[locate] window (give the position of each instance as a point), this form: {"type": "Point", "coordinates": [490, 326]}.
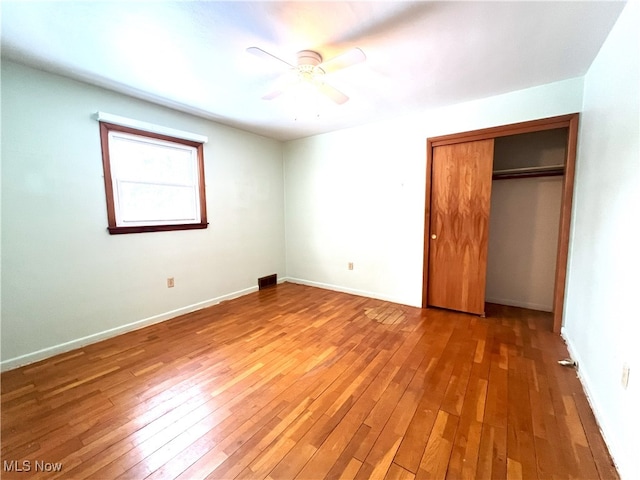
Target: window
{"type": "Point", "coordinates": [153, 181]}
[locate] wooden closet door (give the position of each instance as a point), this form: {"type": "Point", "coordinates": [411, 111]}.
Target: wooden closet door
{"type": "Point", "coordinates": [459, 229]}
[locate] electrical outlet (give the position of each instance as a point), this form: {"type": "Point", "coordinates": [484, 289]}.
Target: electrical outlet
{"type": "Point", "coordinates": [170, 282]}
{"type": "Point", "coordinates": [350, 265]}
{"type": "Point", "coordinates": [625, 376]}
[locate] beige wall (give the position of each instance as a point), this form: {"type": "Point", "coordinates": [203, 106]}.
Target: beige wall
{"type": "Point", "coordinates": [65, 280]}
{"type": "Point", "coordinates": [523, 239]}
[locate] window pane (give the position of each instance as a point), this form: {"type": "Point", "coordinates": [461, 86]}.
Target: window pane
{"type": "Point", "coordinates": [151, 161]}
{"type": "Point", "coordinates": [142, 203]}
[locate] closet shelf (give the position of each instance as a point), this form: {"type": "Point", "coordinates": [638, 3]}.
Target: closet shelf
{"type": "Point", "coordinates": [544, 171]}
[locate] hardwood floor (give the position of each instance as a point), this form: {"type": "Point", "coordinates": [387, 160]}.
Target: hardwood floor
{"type": "Point", "coordinates": [298, 382]}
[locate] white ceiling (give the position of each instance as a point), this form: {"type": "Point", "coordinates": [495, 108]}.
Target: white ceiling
{"type": "Point", "coordinates": [191, 55]}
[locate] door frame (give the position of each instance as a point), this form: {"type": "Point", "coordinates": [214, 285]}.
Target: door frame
{"type": "Point", "coordinates": [570, 122]}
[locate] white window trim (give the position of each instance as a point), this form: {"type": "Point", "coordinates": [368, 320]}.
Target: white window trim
{"type": "Point", "coordinates": [149, 127]}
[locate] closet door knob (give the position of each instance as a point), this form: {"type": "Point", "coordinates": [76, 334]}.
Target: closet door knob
{"type": "Point", "coordinates": [434, 236]}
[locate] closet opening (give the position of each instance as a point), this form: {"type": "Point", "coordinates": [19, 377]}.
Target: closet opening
{"type": "Point", "coordinates": [526, 198]}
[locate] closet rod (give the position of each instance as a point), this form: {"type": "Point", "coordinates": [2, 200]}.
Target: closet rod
{"type": "Point", "coordinates": [544, 171]}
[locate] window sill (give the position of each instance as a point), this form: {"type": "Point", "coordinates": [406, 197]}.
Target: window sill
{"type": "Point", "coordinates": [156, 228]}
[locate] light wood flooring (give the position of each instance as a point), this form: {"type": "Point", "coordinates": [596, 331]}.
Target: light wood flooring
{"type": "Point", "coordinates": [299, 382]}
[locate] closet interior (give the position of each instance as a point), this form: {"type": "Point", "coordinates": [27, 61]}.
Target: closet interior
{"type": "Point", "coordinates": [526, 200]}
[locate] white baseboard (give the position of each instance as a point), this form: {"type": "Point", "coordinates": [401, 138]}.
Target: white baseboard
{"type": "Point", "coordinates": [352, 291]}
{"type": "Point", "coordinates": [22, 360]}
{"type": "Point", "coordinates": [518, 303]}
{"type": "Point", "coordinates": [583, 376]}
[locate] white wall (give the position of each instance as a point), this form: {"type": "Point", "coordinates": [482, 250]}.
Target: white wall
{"type": "Point", "coordinates": [523, 241]}
{"type": "Point", "coordinates": [65, 280]}
{"type": "Point", "coordinates": [358, 195]}
{"type": "Point", "coordinates": [601, 321]}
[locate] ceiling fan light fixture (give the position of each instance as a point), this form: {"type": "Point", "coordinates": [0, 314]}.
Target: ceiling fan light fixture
{"type": "Point", "coordinates": [309, 73]}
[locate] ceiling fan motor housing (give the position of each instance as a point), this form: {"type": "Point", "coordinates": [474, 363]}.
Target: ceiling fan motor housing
{"type": "Point", "coordinates": [309, 57]}
{"type": "Point", "coordinates": [308, 62]}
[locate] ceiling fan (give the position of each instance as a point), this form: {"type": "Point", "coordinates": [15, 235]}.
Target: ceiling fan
{"type": "Point", "coordinates": [311, 69]}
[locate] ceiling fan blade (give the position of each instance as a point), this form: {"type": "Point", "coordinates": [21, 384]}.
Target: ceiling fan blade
{"type": "Point", "coordinates": [332, 92]}
{"type": "Point", "coordinates": [273, 94]}
{"type": "Point", "coordinates": [344, 60]}
{"type": "Point", "coordinates": [282, 84]}
{"type": "Point", "coordinates": [258, 52]}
